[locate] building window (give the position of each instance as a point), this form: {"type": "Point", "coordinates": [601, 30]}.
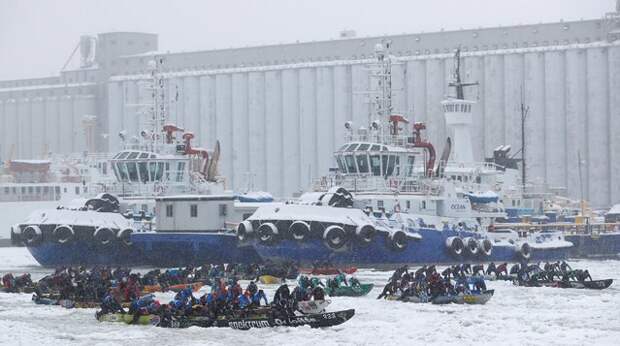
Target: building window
{"type": "Point", "coordinates": [223, 210]}
{"type": "Point", "coordinates": [169, 210]}
{"type": "Point", "coordinates": [193, 210]}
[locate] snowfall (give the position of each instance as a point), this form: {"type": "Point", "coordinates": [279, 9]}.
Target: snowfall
{"type": "Point", "coordinates": [515, 316]}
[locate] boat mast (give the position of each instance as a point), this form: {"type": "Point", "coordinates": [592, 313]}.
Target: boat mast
{"type": "Point", "coordinates": [383, 102]}
{"type": "Point", "coordinates": [524, 112]}
{"type": "Point", "coordinates": [457, 83]}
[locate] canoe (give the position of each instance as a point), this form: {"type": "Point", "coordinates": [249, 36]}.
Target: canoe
{"type": "Point", "coordinates": [328, 271]}
{"type": "Point", "coordinates": [175, 288]}
{"type": "Point", "coordinates": [327, 319]}
{"type": "Point", "coordinates": [474, 298]}
{"type": "Point", "coordinates": [592, 285]}
{"type": "Point", "coordinates": [322, 320]}
{"type": "Point", "coordinates": [349, 291]}
{"type": "Point", "coordinates": [127, 318]}
{"type": "Point", "coordinates": [269, 280]}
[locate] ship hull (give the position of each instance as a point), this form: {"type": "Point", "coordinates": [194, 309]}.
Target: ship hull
{"type": "Point", "coordinates": [173, 249]}
{"type": "Point", "coordinates": [431, 249]}
{"type": "Point", "coordinates": [595, 245]}
{"type": "Point", "coordinates": [87, 253]}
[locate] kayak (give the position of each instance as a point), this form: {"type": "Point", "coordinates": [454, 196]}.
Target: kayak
{"type": "Point", "coordinates": [350, 291]}
{"type": "Point", "coordinates": [328, 271]}
{"type": "Point", "coordinates": [153, 320]}
{"type": "Point", "coordinates": [313, 306]}
{"type": "Point", "coordinates": [593, 285]}
{"type": "Point", "coordinates": [474, 298]}
{"type": "Point", "coordinates": [175, 288]}
{"type": "Point", "coordinates": [269, 280]}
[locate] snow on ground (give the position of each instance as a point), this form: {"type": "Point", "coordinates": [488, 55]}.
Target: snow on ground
{"type": "Point", "coordinates": [515, 316]}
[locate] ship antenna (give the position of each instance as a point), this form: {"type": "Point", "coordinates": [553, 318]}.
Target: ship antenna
{"type": "Point", "coordinates": [457, 82]}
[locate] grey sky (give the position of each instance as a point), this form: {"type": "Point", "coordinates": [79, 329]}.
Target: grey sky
{"type": "Point", "coordinates": [37, 36]}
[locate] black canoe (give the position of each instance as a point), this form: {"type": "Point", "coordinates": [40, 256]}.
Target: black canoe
{"type": "Point", "coordinates": [592, 285]}
{"type": "Point", "coordinates": [327, 319]}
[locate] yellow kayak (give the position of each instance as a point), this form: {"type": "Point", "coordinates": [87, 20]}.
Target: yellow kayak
{"type": "Point", "coordinates": [269, 280]}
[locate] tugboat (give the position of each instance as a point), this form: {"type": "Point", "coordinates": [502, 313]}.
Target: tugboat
{"type": "Point", "coordinates": [388, 203]}
{"type": "Point", "coordinates": [151, 165]}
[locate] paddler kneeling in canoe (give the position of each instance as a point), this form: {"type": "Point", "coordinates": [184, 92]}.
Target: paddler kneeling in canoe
{"type": "Point", "coordinates": [110, 303]}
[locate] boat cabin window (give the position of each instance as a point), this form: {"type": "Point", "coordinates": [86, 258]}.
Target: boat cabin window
{"type": "Point", "coordinates": [144, 173]}
{"type": "Point", "coordinates": [132, 156]}
{"type": "Point", "coordinates": [388, 164]}
{"type": "Point", "coordinates": [341, 165]}
{"type": "Point", "coordinates": [132, 169]}
{"type": "Point", "coordinates": [181, 168]}
{"type": "Point", "coordinates": [410, 163]}
{"type": "Point", "coordinates": [375, 165]}
{"type": "Point", "coordinates": [352, 147]}
{"type": "Point", "coordinates": [350, 164]}
{"type": "Point", "coordinates": [123, 155]}
{"type": "Point", "coordinates": [375, 147]}
{"type": "Point", "coordinates": [362, 163]}
{"type": "Point", "coordinates": [193, 210]}
{"type": "Point", "coordinates": [144, 156]}
{"type": "Point", "coordinates": [363, 147]}
{"type": "Point", "coordinates": [342, 148]}
{"type": "Point", "coordinates": [169, 210]}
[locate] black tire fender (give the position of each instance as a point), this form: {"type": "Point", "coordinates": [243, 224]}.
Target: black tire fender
{"type": "Point", "coordinates": [365, 233]}
{"type": "Point", "coordinates": [32, 235]}
{"type": "Point", "coordinates": [104, 236]}
{"type": "Point", "coordinates": [63, 234]}
{"type": "Point", "coordinates": [267, 233]}
{"type": "Point", "coordinates": [335, 237]}
{"type": "Point", "coordinates": [244, 230]}
{"type": "Point", "coordinates": [299, 230]}
{"type": "Point", "coordinates": [455, 245]}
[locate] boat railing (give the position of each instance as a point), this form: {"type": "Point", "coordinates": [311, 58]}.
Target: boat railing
{"type": "Point", "coordinates": [566, 228]}
{"type": "Point", "coordinates": [371, 183]}
{"type": "Point", "coordinates": [126, 189]}
{"type": "Point", "coordinates": [404, 140]}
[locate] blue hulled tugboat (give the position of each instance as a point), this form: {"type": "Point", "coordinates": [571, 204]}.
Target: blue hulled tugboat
{"type": "Point", "coordinates": [152, 165]}
{"type": "Point", "coordinates": [389, 203]}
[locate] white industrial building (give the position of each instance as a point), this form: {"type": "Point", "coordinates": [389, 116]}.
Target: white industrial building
{"type": "Point", "coordinates": [279, 110]}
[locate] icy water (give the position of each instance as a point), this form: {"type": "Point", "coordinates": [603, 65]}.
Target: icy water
{"type": "Point", "coordinates": [515, 316]}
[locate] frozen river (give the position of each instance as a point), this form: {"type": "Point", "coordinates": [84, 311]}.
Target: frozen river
{"type": "Point", "coordinates": [515, 316]}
